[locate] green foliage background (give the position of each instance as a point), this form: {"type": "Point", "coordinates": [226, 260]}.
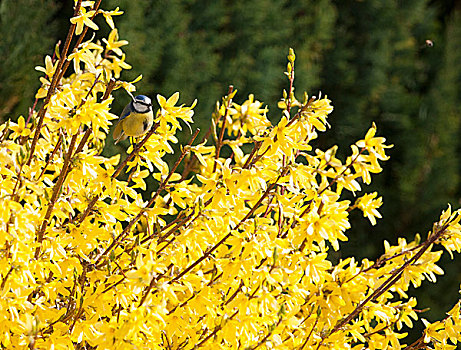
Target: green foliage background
{"type": "Point", "coordinates": [371, 57]}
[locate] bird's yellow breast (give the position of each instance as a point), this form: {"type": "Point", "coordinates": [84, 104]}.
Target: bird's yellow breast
{"type": "Point", "coordinates": [137, 124]}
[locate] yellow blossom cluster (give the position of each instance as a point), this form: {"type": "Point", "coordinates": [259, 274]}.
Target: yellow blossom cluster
{"type": "Point", "coordinates": [230, 253]}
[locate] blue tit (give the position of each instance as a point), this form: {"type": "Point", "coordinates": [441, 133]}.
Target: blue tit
{"type": "Point", "coordinates": [136, 119]}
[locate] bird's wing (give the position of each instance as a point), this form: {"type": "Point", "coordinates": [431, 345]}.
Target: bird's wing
{"type": "Point", "coordinates": [118, 133]}
{"type": "Point", "coordinates": [125, 112]}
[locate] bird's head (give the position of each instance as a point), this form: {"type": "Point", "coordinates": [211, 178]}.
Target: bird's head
{"type": "Point", "coordinates": [142, 104]}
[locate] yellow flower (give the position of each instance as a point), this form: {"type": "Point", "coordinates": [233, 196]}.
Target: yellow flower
{"type": "Point", "coordinates": [49, 70]}
{"type": "Point", "coordinates": [369, 204]}
{"type": "Point", "coordinates": [20, 128]}
{"type": "Point", "coordinates": [82, 19]}
{"type": "Point", "coordinates": [108, 16]}
{"type": "Point", "coordinates": [113, 44]}
{"type": "Point", "coordinates": [248, 117]}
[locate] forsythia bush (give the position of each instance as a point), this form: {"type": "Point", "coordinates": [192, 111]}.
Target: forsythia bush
{"type": "Point", "coordinates": [232, 253]}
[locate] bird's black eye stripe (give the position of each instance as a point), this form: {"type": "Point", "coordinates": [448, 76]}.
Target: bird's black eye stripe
{"type": "Point", "coordinates": [144, 103]}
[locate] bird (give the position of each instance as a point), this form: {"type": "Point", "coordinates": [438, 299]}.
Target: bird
{"type": "Point", "coordinates": [136, 119]}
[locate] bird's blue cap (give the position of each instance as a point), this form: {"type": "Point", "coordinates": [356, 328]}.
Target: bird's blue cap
{"type": "Point", "coordinates": [142, 98]}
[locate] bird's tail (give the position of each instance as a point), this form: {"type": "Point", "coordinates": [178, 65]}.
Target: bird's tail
{"type": "Point", "coordinates": [119, 135]}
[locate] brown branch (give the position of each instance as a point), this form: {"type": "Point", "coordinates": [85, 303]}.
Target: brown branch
{"type": "Point", "coordinates": [117, 171]}
{"type": "Point", "coordinates": [178, 225]}
{"type": "Point", "coordinates": [151, 285]}
{"type": "Point", "coordinates": [50, 159]}
{"type": "Point", "coordinates": [77, 316]}
{"type": "Point", "coordinates": [114, 285]}
{"type": "Point", "coordinates": [162, 185]}
{"type": "Point", "coordinates": [82, 289]}
{"type": "Point", "coordinates": [280, 219]}
{"type": "Point", "coordinates": [31, 111]}
{"type": "Point", "coordinates": [54, 196]}
{"type": "Point", "coordinates": [135, 150]}
{"type": "Point", "coordinates": [88, 209]}
{"type": "Point", "coordinates": [83, 141]}
{"type": "Point", "coordinates": [163, 238]}
{"type": "Point", "coordinates": [301, 111]}
{"type": "Point", "coordinates": [310, 333]}
{"type": "Point", "coordinates": [195, 294]}
{"type": "Point", "coordinates": [256, 148]}
{"type": "Point", "coordinates": [191, 161]}
{"type": "Point", "coordinates": [211, 250]}
{"type": "Point", "coordinates": [305, 318]}
{"type": "Point", "coordinates": [80, 38]}
{"type": "Point", "coordinates": [180, 220]}
{"type": "Point", "coordinates": [256, 159]}
{"type": "Point", "coordinates": [109, 88]}
{"type": "Point", "coordinates": [268, 206]}
{"type": "Point", "coordinates": [5, 278]}
{"type": "Point", "coordinates": [395, 276]}
{"type": "Point", "coordinates": [215, 331]}
{"type": "Point", "coordinates": [381, 260]}
{"type": "Point", "coordinates": [64, 172]}
{"type": "Point", "coordinates": [418, 344]}
{"type": "Point", "coordinates": [263, 340]}
{"type": "Point", "coordinates": [53, 84]}
{"type": "Point", "coordinates": [166, 340]}
{"type": "Point", "coordinates": [5, 131]}
{"type": "Point", "coordinates": [16, 185]}
{"type": "Point", "coordinates": [232, 297]}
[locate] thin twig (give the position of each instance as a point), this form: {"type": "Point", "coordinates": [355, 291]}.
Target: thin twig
{"type": "Point", "coordinates": [232, 297]}
{"type": "Point", "coordinates": [194, 294]}
{"type": "Point", "coordinates": [31, 111]}
{"type": "Point", "coordinates": [53, 84]}
{"type": "Point", "coordinates": [50, 159]}
{"type": "Point", "coordinates": [82, 289]}
{"type": "Point", "coordinates": [310, 333]}
{"type": "Point", "coordinates": [151, 285]}
{"type": "Point", "coordinates": [381, 260]}
{"type": "Point", "coordinates": [417, 344]}
{"type": "Point", "coordinates": [136, 149]}
{"type": "Point", "coordinates": [117, 171]}
{"type": "Point", "coordinates": [223, 127]}
{"type": "Point", "coordinates": [5, 278]}
{"type": "Point", "coordinates": [215, 331]}
{"type": "Point", "coordinates": [80, 38]}
{"type": "Point", "coordinates": [256, 148]}
{"type": "Point", "coordinates": [211, 250]}
{"type": "Point", "coordinates": [54, 196]}
{"type": "Point", "coordinates": [164, 237]}
{"type": "Point", "coordinates": [263, 340]}
{"type": "Point", "coordinates": [162, 185]}
{"type": "Point", "coordinates": [62, 176]}
{"type": "Point", "coordinates": [395, 276]}
{"type": "Point", "coordinates": [109, 88]}
{"type": "Point", "coordinates": [290, 91]}
{"type": "Point", "coordinates": [333, 181]}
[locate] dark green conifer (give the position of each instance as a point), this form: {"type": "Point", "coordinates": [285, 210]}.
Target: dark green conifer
{"type": "Point", "coordinates": [26, 35]}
